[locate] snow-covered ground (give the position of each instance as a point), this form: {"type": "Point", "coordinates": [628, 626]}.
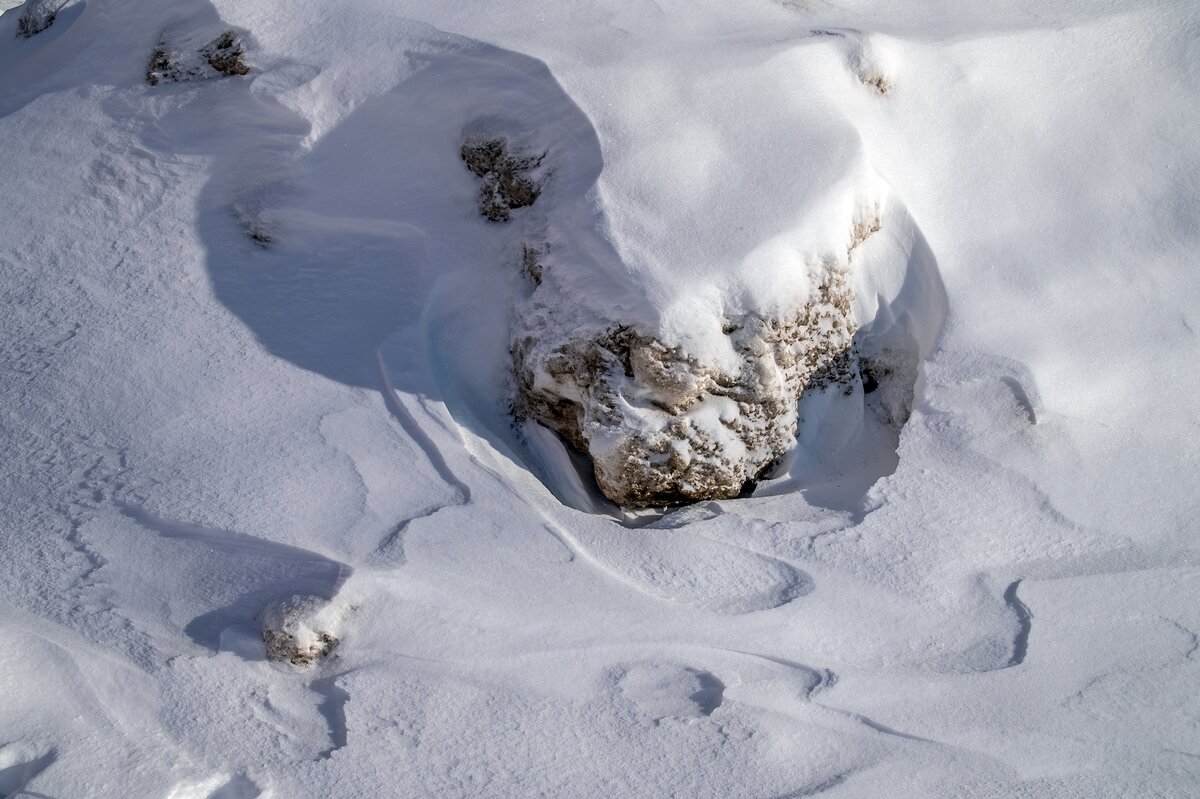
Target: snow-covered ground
{"type": "Point", "coordinates": [255, 344]}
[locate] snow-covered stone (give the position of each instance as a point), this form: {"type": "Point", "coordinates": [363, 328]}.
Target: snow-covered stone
{"type": "Point", "coordinates": [293, 631]}
{"type": "Point", "coordinates": [184, 55]}
{"type": "Point", "coordinates": [664, 426]}
{"type": "Point", "coordinates": [38, 15]}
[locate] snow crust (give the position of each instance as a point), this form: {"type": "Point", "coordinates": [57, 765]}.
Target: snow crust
{"type": "Point", "coordinates": [256, 346]}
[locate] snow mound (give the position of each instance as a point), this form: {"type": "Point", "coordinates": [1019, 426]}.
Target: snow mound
{"type": "Point", "coordinates": [665, 690]}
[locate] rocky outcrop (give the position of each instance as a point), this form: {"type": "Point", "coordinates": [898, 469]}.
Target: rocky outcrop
{"type": "Point", "coordinates": [663, 426]}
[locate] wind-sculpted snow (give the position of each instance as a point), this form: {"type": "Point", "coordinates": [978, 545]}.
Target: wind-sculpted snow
{"type": "Point", "coordinates": [685, 385]}
{"type": "Point", "coordinates": [19, 764]}
{"type": "Point", "coordinates": [259, 331]}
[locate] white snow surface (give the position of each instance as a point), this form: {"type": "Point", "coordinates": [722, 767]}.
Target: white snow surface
{"type": "Point", "coordinates": [1001, 601]}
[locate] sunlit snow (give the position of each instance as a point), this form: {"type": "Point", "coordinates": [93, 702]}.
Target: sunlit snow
{"type": "Point", "coordinates": [256, 370]}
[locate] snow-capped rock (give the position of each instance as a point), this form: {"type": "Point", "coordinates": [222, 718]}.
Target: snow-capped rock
{"type": "Point", "coordinates": [663, 426]}
{"type": "Point", "coordinates": [37, 15]}
{"type": "Point", "coordinates": [183, 55]}
{"type": "Point", "coordinates": [293, 630]}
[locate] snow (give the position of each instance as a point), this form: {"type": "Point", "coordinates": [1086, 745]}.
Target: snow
{"type": "Point", "coordinates": [1002, 598]}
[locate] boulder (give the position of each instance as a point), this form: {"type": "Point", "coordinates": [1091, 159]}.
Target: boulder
{"type": "Point", "coordinates": [664, 426]}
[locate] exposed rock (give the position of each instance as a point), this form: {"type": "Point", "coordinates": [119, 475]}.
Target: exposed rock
{"type": "Point", "coordinates": [259, 228]}
{"type": "Point", "coordinates": [531, 264]}
{"type": "Point", "coordinates": [226, 54]}
{"type": "Point", "coordinates": [37, 16]}
{"type": "Point", "coordinates": [161, 67]}
{"type": "Point", "coordinates": [661, 426]}
{"type": "Point", "coordinates": [178, 58]}
{"type": "Point", "coordinates": [291, 631]}
{"type": "Point", "coordinates": [877, 81]}
{"type": "Point", "coordinates": [507, 179]}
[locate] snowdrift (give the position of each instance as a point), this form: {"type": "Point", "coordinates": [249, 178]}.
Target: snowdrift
{"type": "Point", "coordinates": [891, 306]}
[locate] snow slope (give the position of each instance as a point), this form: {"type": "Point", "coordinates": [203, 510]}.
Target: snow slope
{"type": "Point", "coordinates": [999, 600]}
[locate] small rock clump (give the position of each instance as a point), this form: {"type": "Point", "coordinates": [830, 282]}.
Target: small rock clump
{"type": "Point", "coordinates": [161, 66]}
{"type": "Point", "coordinates": [224, 55]}
{"type": "Point", "coordinates": [876, 80]}
{"type": "Point", "coordinates": [37, 16]}
{"type": "Point", "coordinates": [292, 633]}
{"type": "Point", "coordinates": [508, 180]}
